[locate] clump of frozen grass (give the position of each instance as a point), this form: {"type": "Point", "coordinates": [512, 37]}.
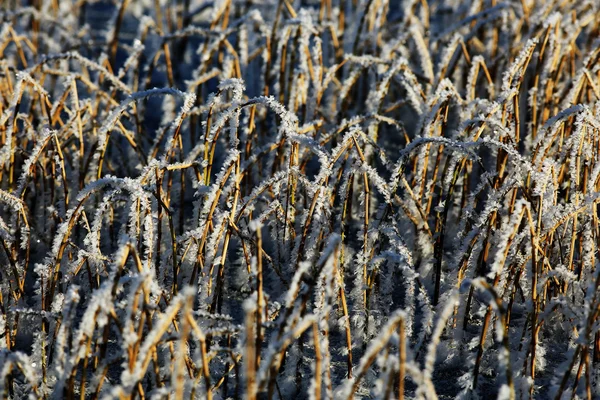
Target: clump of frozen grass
{"type": "Point", "coordinates": [299, 199]}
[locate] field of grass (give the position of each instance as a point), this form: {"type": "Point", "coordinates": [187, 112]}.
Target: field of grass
{"type": "Point", "coordinates": [281, 199]}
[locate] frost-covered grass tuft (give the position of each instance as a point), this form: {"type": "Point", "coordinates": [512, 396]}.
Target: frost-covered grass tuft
{"type": "Point", "coordinates": [284, 199]}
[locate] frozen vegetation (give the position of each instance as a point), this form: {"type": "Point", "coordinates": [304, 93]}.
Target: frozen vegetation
{"type": "Point", "coordinates": [279, 199]}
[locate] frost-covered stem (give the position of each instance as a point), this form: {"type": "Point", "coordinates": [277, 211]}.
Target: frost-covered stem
{"type": "Point", "coordinates": [574, 235]}
{"type": "Point", "coordinates": [75, 96]}
{"type": "Point", "coordinates": [63, 171]}
{"type": "Point", "coordinates": [345, 314]}
{"type": "Point", "coordinates": [588, 373]}
{"type": "Point", "coordinates": [216, 306]}
{"type": "Point", "coordinates": [259, 294]}
{"type": "Point", "coordinates": [534, 300]}
{"type": "Point", "coordinates": [203, 353]}
{"type": "Point", "coordinates": [436, 167]}
{"type": "Point", "coordinates": [440, 229]}
{"type": "Point", "coordinates": [167, 52]}
{"type": "Point", "coordinates": [250, 354]}
{"type": "Point", "coordinates": [402, 359]}
{"type": "Point", "coordinates": [318, 361]}
{"type": "Point", "coordinates": [181, 353]}
{"type": "Point", "coordinates": [307, 225]}
{"type": "Point", "coordinates": [480, 346]}
{"type": "Point", "coordinates": [291, 190]}
{"type": "Point", "coordinates": [159, 210]}
{"type": "Point", "coordinates": [84, 369]}
{"type": "Point", "coordinates": [115, 39]}
{"type": "Point", "coordinates": [367, 195]}
{"type": "Point", "coordinates": [209, 117]}
{"type": "Point", "coordinates": [174, 263]}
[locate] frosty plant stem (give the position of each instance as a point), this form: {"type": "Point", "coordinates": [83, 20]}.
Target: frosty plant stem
{"type": "Point", "coordinates": [290, 199]}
